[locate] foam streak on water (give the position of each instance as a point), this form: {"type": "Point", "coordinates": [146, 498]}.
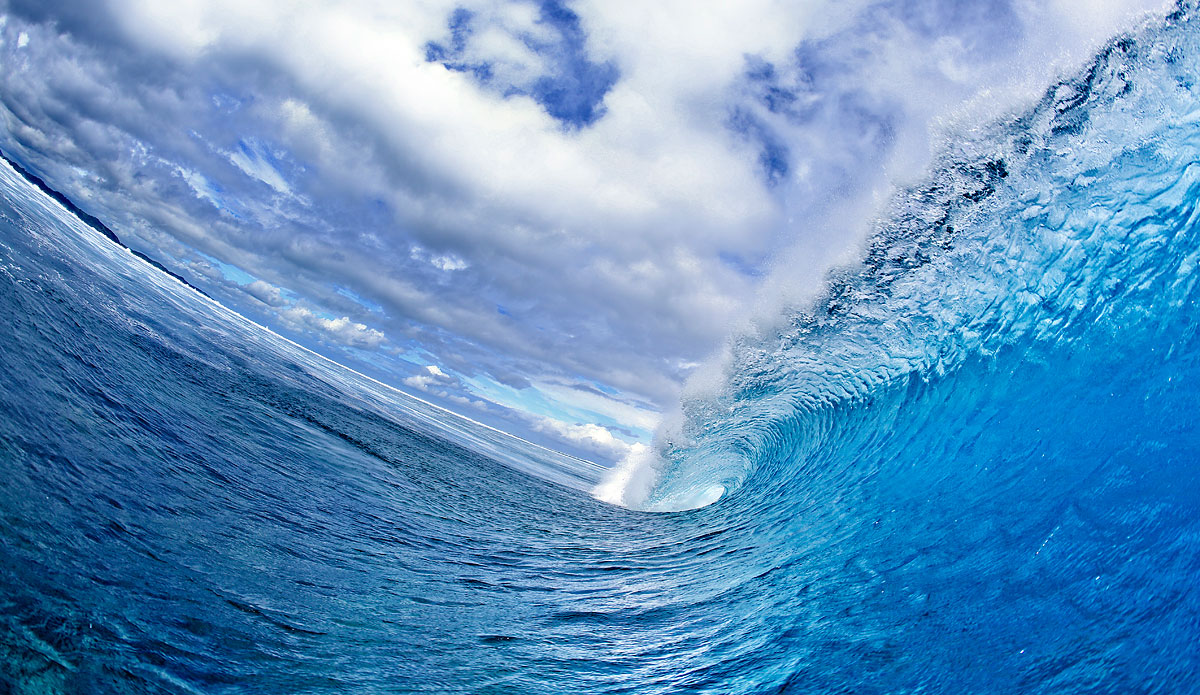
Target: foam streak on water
{"type": "Point", "coordinates": [970, 467]}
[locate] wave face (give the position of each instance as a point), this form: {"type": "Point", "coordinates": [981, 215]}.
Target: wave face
{"type": "Point", "coordinates": [972, 466]}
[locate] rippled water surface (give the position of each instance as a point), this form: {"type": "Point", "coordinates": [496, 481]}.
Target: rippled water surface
{"type": "Point", "coordinates": [972, 466]}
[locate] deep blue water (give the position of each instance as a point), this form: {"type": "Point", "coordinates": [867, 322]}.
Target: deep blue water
{"type": "Point", "coordinates": [973, 465]}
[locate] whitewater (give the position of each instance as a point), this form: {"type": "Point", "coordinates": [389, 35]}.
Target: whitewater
{"type": "Point", "coordinates": [970, 465]}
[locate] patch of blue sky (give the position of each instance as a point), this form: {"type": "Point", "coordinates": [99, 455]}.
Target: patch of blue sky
{"type": "Point", "coordinates": [811, 89]}
{"type": "Point", "coordinates": [357, 299]}
{"type": "Point", "coordinates": [773, 154]}
{"type": "Point", "coordinates": [232, 273]}
{"type": "Point", "coordinates": [532, 400]}
{"type": "Point", "coordinates": [604, 388]}
{"type": "Point", "coordinates": [452, 53]}
{"type": "Point", "coordinates": [744, 266]}
{"type": "Point", "coordinates": [571, 87]}
{"type": "Point", "coordinates": [613, 410]}
{"type": "Point", "coordinates": [323, 313]}
{"type": "Point", "coordinates": [575, 93]}
{"type": "Point", "coordinates": [789, 95]}
{"type": "Point", "coordinates": [409, 357]}
{"type": "Point", "coordinates": [528, 399]}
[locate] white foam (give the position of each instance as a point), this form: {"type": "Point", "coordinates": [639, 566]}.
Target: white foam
{"type": "Point", "coordinates": [630, 482]}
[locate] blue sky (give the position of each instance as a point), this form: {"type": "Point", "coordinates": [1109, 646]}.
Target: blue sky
{"type": "Point", "coordinates": [542, 215]}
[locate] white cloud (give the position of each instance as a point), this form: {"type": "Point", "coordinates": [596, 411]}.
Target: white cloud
{"type": "Point", "coordinates": [254, 158]}
{"type": "Point", "coordinates": [339, 330]}
{"type": "Point", "coordinates": [447, 263]}
{"type": "Point", "coordinates": [202, 187]}
{"type": "Point", "coordinates": [432, 379]}
{"type": "Point", "coordinates": [588, 436]}
{"type": "Point", "coordinates": [631, 414]}
{"type": "Point", "coordinates": [266, 293]}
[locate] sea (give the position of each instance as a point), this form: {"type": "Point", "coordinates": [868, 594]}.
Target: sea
{"type": "Point", "coordinates": [970, 465]}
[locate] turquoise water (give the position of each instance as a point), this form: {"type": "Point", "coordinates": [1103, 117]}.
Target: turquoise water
{"type": "Point", "coordinates": [971, 466]}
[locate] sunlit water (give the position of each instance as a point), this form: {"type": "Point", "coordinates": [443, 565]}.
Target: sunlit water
{"type": "Point", "coordinates": [972, 466]}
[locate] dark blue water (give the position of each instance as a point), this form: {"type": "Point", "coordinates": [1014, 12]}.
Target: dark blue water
{"type": "Point", "coordinates": [973, 465]}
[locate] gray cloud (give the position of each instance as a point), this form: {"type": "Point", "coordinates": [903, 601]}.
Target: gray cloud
{"type": "Point", "coordinates": [266, 293]}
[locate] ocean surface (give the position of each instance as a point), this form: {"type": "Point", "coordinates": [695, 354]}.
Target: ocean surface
{"type": "Point", "coordinates": [971, 466]}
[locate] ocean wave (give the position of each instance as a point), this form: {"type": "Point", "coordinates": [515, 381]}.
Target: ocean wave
{"type": "Point", "coordinates": [1034, 231]}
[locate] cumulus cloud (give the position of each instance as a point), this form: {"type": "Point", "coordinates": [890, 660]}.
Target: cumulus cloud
{"type": "Point", "coordinates": [536, 192]}
{"type": "Point", "coordinates": [433, 379]}
{"type": "Point", "coordinates": [339, 330]}
{"type": "Point", "coordinates": [446, 262]}
{"type": "Point", "coordinates": [266, 293]}
{"type": "Point", "coordinates": [595, 439]}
